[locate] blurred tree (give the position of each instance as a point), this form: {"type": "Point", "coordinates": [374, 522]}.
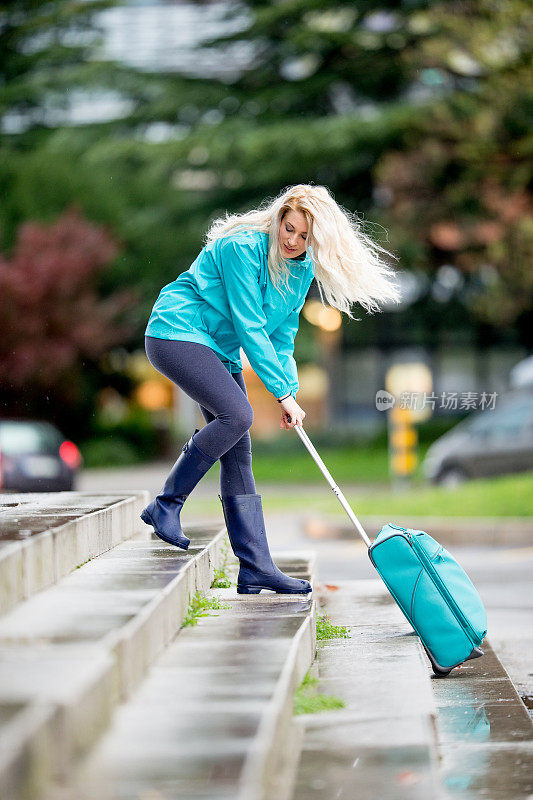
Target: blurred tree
{"type": "Point", "coordinates": [351, 95]}
{"type": "Point", "coordinates": [419, 114]}
{"type": "Point", "coordinates": [464, 186]}
{"type": "Point", "coordinates": [46, 49]}
{"type": "Point", "coordinates": [54, 323]}
{"type": "Point", "coordinates": [315, 101]}
{"type": "Point", "coordinates": [308, 58]}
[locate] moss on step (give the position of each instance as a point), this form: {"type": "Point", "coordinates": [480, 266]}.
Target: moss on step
{"type": "Point", "coordinates": [308, 700]}
{"type": "Point", "coordinates": [326, 630]}
{"type": "Point", "coordinates": [200, 606]}
{"type": "Point", "coordinates": [221, 579]}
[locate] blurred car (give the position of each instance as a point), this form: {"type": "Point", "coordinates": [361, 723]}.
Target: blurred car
{"type": "Point", "coordinates": [494, 441]}
{"type": "Point", "coordinates": [36, 457]}
{"type": "Point", "coordinates": [522, 373]}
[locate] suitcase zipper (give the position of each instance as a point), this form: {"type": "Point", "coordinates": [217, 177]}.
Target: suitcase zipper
{"type": "Point", "coordinates": [437, 580]}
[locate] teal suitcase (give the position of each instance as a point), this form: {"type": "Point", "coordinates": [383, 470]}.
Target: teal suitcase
{"type": "Point", "coordinates": [433, 591]}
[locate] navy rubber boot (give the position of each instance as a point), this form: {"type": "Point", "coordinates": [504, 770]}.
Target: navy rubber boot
{"type": "Point", "coordinates": [163, 513]}
{"type": "Point", "coordinates": [245, 524]}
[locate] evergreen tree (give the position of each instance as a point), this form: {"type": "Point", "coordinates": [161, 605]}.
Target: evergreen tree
{"type": "Point", "coordinates": [463, 189]}
{"type": "Point", "coordinates": [46, 49]}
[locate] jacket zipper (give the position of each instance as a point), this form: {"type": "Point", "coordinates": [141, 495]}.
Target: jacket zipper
{"type": "Point", "coordinates": [437, 580]}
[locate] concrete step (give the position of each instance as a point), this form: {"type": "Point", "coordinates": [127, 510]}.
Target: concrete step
{"type": "Point", "coordinates": [213, 719]}
{"type": "Point", "coordinates": [484, 733]}
{"type": "Point", "coordinates": [381, 745]}
{"type": "Point", "coordinates": [44, 536]}
{"type": "Point", "coordinates": [70, 653]}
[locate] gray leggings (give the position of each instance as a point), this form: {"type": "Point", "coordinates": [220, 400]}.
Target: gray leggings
{"type": "Point", "coordinates": [223, 401]}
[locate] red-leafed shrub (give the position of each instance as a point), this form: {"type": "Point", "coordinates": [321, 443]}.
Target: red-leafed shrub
{"type": "Point", "coordinates": [52, 317]}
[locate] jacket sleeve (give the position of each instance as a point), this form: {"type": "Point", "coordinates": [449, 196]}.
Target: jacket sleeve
{"type": "Point", "coordinates": [283, 340]}
{"type": "Point", "coordinates": [240, 268]}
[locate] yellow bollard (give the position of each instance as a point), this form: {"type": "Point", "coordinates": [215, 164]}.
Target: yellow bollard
{"type": "Point", "coordinates": [403, 444]}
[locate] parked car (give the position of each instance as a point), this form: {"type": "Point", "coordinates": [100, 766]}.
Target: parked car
{"type": "Point", "coordinates": [36, 457]}
{"type": "Point", "coordinates": [490, 442]}
{"type": "Point", "coordinates": [522, 373]}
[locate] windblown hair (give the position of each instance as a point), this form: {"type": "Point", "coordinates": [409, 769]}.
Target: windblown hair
{"type": "Point", "coordinates": [347, 264]}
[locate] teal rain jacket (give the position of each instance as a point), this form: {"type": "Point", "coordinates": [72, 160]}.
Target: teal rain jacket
{"type": "Point", "coordinates": [226, 300]}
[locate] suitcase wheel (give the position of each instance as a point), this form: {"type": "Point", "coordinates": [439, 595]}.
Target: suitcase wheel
{"type": "Point", "coordinates": [440, 673]}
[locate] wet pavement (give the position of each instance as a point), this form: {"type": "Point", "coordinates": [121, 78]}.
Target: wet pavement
{"type": "Point", "coordinates": [403, 732]}
{"type": "Point", "coordinates": [502, 575]}
{"type": "Point", "coordinates": [484, 733]}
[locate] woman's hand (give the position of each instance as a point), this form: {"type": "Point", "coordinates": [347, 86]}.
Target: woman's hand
{"type": "Point", "coordinates": [290, 410]}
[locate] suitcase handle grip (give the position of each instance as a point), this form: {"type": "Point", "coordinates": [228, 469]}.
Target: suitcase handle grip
{"type": "Point", "coordinates": [325, 472]}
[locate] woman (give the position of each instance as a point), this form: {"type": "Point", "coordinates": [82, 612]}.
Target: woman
{"type": "Point", "coordinates": [246, 289]}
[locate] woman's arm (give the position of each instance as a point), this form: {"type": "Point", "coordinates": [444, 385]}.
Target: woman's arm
{"type": "Point", "coordinates": [283, 338]}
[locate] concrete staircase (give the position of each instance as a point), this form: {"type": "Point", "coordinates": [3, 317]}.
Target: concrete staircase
{"type": "Point", "coordinates": [115, 596]}
{"type": "Point", "coordinates": [381, 745]}
{"type": "Point", "coordinates": [45, 536]}
{"type": "Point", "coordinates": [214, 717]}
{"type": "Point", "coordinates": [103, 693]}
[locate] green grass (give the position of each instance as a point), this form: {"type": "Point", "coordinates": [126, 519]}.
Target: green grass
{"type": "Point", "coordinates": [200, 606]}
{"type": "Point", "coordinates": [509, 495]}
{"type": "Point", "coordinates": [326, 630]}
{"type": "Point", "coordinates": [368, 464]}
{"type": "Point", "coordinates": [221, 579]}
{"type": "Point", "coordinates": [308, 700]}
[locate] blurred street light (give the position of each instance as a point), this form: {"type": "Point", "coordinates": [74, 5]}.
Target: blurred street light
{"type": "Point", "coordinates": [324, 317]}
{"type": "Point", "coordinates": [406, 381]}
{"type": "Point", "coordinates": [414, 379]}
{"type": "Point", "coordinates": [154, 395]}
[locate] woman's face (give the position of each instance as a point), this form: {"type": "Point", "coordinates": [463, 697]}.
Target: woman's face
{"type": "Point", "coordinates": [293, 234]}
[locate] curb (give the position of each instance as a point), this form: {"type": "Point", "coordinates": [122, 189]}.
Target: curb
{"type": "Point", "coordinates": [491, 531]}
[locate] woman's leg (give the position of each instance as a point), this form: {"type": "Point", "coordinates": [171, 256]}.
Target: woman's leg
{"type": "Point", "coordinates": [236, 476]}
{"type": "Point", "coordinates": [200, 373]}
{"type": "Point", "coordinates": [197, 370]}
{"type": "Point", "coordinates": [243, 514]}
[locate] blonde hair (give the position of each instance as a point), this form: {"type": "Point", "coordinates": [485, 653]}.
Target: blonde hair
{"type": "Point", "coordinates": [347, 264]}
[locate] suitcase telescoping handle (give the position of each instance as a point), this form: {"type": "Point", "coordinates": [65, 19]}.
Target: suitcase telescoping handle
{"type": "Point", "coordinates": [342, 500]}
